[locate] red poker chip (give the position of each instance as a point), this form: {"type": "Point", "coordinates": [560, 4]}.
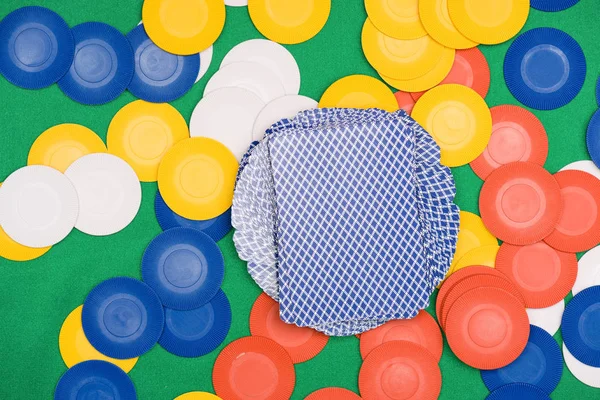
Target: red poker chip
{"type": "Point", "coordinates": [332, 393]}
{"type": "Point", "coordinates": [405, 101]}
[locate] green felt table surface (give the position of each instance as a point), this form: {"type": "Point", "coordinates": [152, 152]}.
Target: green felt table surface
{"type": "Point", "coordinates": [36, 296]}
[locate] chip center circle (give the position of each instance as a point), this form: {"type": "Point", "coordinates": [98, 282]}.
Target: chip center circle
{"type": "Point", "coordinates": [98, 388]}
{"type": "Point", "coordinates": [451, 124]}
{"type": "Point", "coordinates": [509, 143]}
{"type": "Point", "coordinates": [545, 68]}
{"type": "Point", "coordinates": [183, 268]}
{"type": "Point", "coordinates": [288, 335]}
{"type": "Point", "coordinates": [531, 277]}
{"type": "Point", "coordinates": [487, 327]}
{"type": "Point", "coordinates": [402, 332]}
{"type": "Point", "coordinates": [253, 375]}
{"type": "Point", "coordinates": [28, 205]}
{"type": "Point", "coordinates": [579, 212]}
{"type": "Point", "coordinates": [122, 317]}
{"type": "Point", "coordinates": [156, 64]}
{"type": "Point", "coordinates": [521, 202]}
{"type": "Point", "coordinates": [33, 47]}
{"type": "Point", "coordinates": [589, 326]}
{"type": "Point", "coordinates": [400, 381]}
{"type": "Point", "coordinates": [149, 139]}
{"type": "Point", "coordinates": [93, 62]}
{"type": "Point", "coordinates": [201, 177]}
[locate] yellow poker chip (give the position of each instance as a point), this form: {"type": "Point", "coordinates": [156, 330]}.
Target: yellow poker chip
{"type": "Point", "coordinates": [198, 396]}
{"type": "Point", "coordinates": [183, 26]}
{"type": "Point", "coordinates": [484, 255]}
{"type": "Point", "coordinates": [436, 20]}
{"type": "Point", "coordinates": [430, 79]}
{"type": "Point", "coordinates": [471, 235]}
{"type": "Point", "coordinates": [58, 147]}
{"type": "Point", "coordinates": [489, 22]}
{"type": "Point", "coordinates": [141, 133]}
{"type": "Point", "coordinates": [458, 119]}
{"type": "Point", "coordinates": [399, 59]}
{"type": "Point", "coordinates": [359, 91]}
{"type": "Point", "coordinates": [196, 178]}
{"type": "Point", "coordinates": [75, 347]}
{"type": "Point", "coordinates": [396, 18]}
{"type": "Point", "coordinates": [289, 22]}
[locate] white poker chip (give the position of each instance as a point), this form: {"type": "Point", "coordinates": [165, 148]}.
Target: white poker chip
{"type": "Point", "coordinates": [227, 115]}
{"type": "Point", "coordinates": [583, 372]}
{"type": "Point", "coordinates": [247, 75]}
{"type": "Point", "coordinates": [271, 55]}
{"type": "Point", "coordinates": [205, 60]}
{"type": "Point", "coordinates": [109, 192]}
{"type": "Point", "coordinates": [588, 271]}
{"type": "Point", "coordinates": [236, 3]}
{"type": "Point", "coordinates": [547, 318]}
{"type": "Point", "coordinates": [38, 206]}
{"type": "Point", "coordinates": [585, 166]}
{"type": "Point", "coordinates": [283, 107]}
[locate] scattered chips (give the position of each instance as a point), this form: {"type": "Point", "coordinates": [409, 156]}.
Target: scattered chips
{"type": "Point", "coordinates": [583, 165]}
{"type": "Point", "coordinates": [94, 379]}
{"type": "Point", "coordinates": [11, 250]}
{"type": "Point", "coordinates": [484, 255]}
{"type": "Point", "coordinates": [580, 326]}
{"type": "Point", "coordinates": [588, 271]}
{"type": "Point", "coordinates": [359, 91]}
{"type": "Point", "coordinates": [547, 318]}
{"type": "Point", "coordinates": [405, 101]}
{"type": "Point", "coordinates": [586, 374]}
{"type": "Point", "coordinates": [398, 19]}
{"type": "Point", "coordinates": [472, 234]}
{"type": "Point", "coordinates": [436, 21]}
{"type": "Point", "coordinates": [282, 107]}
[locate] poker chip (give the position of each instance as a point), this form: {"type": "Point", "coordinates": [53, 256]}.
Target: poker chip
{"type": "Point", "coordinates": [421, 330]}
{"type": "Point", "coordinates": [468, 329]}
{"type": "Point", "coordinates": [183, 26]}
{"type": "Point", "coordinates": [302, 344]}
{"type": "Point", "coordinates": [359, 91]}
{"type": "Point", "coordinates": [38, 206]}
{"type": "Point", "coordinates": [59, 146]}
{"type": "Point", "coordinates": [184, 267]}
{"type": "Point", "coordinates": [517, 135]}
{"type": "Point", "coordinates": [518, 391]}
{"type": "Point", "coordinates": [588, 271]}
{"type": "Point", "coordinates": [436, 21]}
{"type": "Point", "coordinates": [459, 121]}
{"type": "Point", "coordinates": [251, 76]}
{"type": "Point", "coordinates": [547, 318]}
{"type": "Point", "coordinates": [11, 250]}
{"type": "Point", "coordinates": [216, 227]}
{"type": "Point", "coordinates": [196, 178]}
{"type": "Point", "coordinates": [399, 59]}
{"type": "Point", "coordinates": [94, 379]}
{"type": "Point", "coordinates": [103, 65]}
{"type": "Point", "coordinates": [289, 22]}
{"type": "Point", "coordinates": [227, 115]}
{"type": "Point", "coordinates": [405, 101]}
{"type": "Point", "coordinates": [580, 326]}
{"type": "Point", "coordinates": [75, 348]}
{"type": "Point", "coordinates": [553, 5]}
{"type": "Point", "coordinates": [429, 79]}
{"type": "Point", "coordinates": [540, 364]}
{"type": "Point", "coordinates": [236, 3]}
{"type": "Point", "coordinates": [544, 68]}
{"type": "Point", "coordinates": [254, 366]}
{"type": "Point", "coordinates": [196, 332]}
{"type": "Point", "coordinates": [484, 255]}
{"type": "Point", "coordinates": [198, 396]}
{"type": "Point", "coordinates": [472, 234]}
{"type": "Point", "coordinates": [283, 107]}
{"type": "Point", "coordinates": [333, 393]}
{"type": "Point", "coordinates": [109, 193]}
{"type": "Point", "coordinates": [582, 372]}
{"type": "Point", "coordinates": [141, 133]}
{"type": "Point", "coordinates": [472, 282]}
{"type": "Point", "coordinates": [489, 25]}
{"type": "Point", "coordinates": [399, 361]}
{"type": "Point", "coordinates": [520, 203]}
{"type": "Point", "coordinates": [205, 60]}
{"type": "Point", "coordinates": [593, 138]}
{"type": "Point", "coordinates": [36, 47]}
{"type": "Point", "coordinates": [583, 165]}
{"type": "Point", "coordinates": [400, 21]}
{"type": "Point", "coordinates": [122, 317]}
{"type": "Point", "coordinates": [469, 68]}
{"type": "Point", "coordinates": [271, 55]}
{"type": "Point", "coordinates": [543, 275]}
{"type": "Point", "coordinates": [579, 226]}
{"type": "Point", "coordinates": [160, 77]}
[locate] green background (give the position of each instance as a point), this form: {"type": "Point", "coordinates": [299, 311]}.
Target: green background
{"type": "Point", "coordinates": [36, 296]}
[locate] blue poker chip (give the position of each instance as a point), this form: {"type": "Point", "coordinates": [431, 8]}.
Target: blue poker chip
{"type": "Point", "coordinates": [122, 317]}
{"type": "Point", "coordinates": [544, 68]}
{"type": "Point", "coordinates": [592, 138]}
{"type": "Point", "coordinates": [552, 5]}
{"type": "Point", "coordinates": [540, 364]}
{"type": "Point", "coordinates": [194, 333]}
{"type": "Point", "coordinates": [184, 266]}
{"type": "Point", "coordinates": [36, 47]}
{"type": "Point", "coordinates": [580, 326]}
{"type": "Point", "coordinates": [216, 227]}
{"type": "Point", "coordinates": [518, 391]}
{"type": "Point", "coordinates": [95, 380]}
{"type": "Point", "coordinates": [160, 77]}
{"type": "Point", "coordinates": [102, 67]}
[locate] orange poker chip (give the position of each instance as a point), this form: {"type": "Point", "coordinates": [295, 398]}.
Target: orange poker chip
{"type": "Point", "coordinates": [517, 135]}
{"type": "Point", "coordinates": [520, 203]}
{"type": "Point", "coordinates": [474, 282]}
{"type": "Point", "coordinates": [543, 275]}
{"type": "Point", "coordinates": [332, 393]}
{"type": "Point", "coordinates": [487, 328]}
{"type": "Point", "coordinates": [422, 330]}
{"type": "Point", "coordinates": [400, 370]}
{"type": "Point", "coordinates": [302, 344]}
{"type": "Point", "coordinates": [254, 367]}
{"type": "Point", "coordinates": [470, 69]}
{"type": "Point", "coordinates": [405, 101]}
{"type": "Point", "coordinates": [579, 227]}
